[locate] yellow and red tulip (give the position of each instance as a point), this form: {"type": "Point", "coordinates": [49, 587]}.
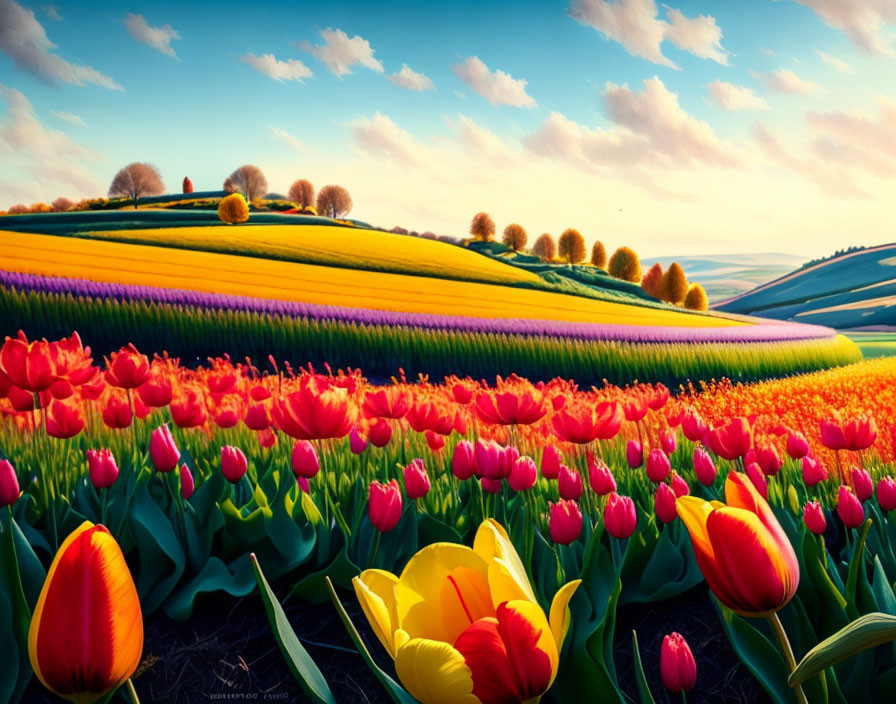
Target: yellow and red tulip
{"type": "Point", "coordinates": [86, 635]}
{"type": "Point", "coordinates": [741, 548]}
{"type": "Point", "coordinates": [463, 624]}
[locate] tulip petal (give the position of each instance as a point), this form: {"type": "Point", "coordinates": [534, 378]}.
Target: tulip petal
{"type": "Point", "coordinates": [506, 575]}
{"type": "Point", "coordinates": [442, 590]}
{"type": "Point", "coordinates": [495, 679]}
{"type": "Point", "coordinates": [434, 672]}
{"type": "Point", "coordinates": [530, 645]}
{"type": "Point", "coordinates": [694, 513]}
{"type": "Point", "coordinates": [560, 615]}
{"type": "Point", "coordinates": [375, 590]}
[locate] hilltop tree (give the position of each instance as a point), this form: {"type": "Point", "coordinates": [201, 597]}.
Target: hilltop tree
{"type": "Point", "coordinates": [247, 180]}
{"type": "Point", "coordinates": [334, 202]}
{"type": "Point", "coordinates": [571, 246]}
{"type": "Point", "coordinates": [137, 180]}
{"type": "Point", "coordinates": [599, 255]}
{"type": "Point", "coordinates": [625, 265]}
{"type": "Point", "coordinates": [515, 237]}
{"type": "Point", "coordinates": [399, 230]}
{"type": "Point", "coordinates": [696, 299]}
{"type": "Point", "coordinates": [187, 185]}
{"type": "Point", "coordinates": [301, 192]}
{"type": "Point", "coordinates": [653, 282]}
{"type": "Point", "coordinates": [482, 227]}
{"type": "Point", "coordinates": [17, 209]}
{"type": "Point", "coordinates": [675, 284]}
{"type": "Point", "coordinates": [545, 247]}
{"type": "Point", "coordinates": [61, 204]}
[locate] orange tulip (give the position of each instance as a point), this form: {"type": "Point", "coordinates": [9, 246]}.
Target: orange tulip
{"type": "Point", "coordinates": [741, 549]}
{"type": "Point", "coordinates": [86, 634]}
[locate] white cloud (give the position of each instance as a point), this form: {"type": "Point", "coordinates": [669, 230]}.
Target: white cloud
{"type": "Point", "coordinates": [734, 97]}
{"type": "Point", "coordinates": [269, 65]}
{"type": "Point", "coordinates": [340, 53]}
{"type": "Point", "coordinates": [767, 51]}
{"type": "Point", "coordinates": [52, 11]}
{"type": "Point", "coordinates": [865, 22]}
{"type": "Point", "coordinates": [24, 39]}
{"type": "Point", "coordinates": [383, 138]}
{"type": "Point", "coordinates": [68, 117]}
{"type": "Point", "coordinates": [786, 81]}
{"type": "Point", "coordinates": [636, 25]}
{"type": "Point", "coordinates": [838, 64]}
{"type": "Point", "coordinates": [157, 37]}
{"type": "Point", "coordinates": [856, 140]}
{"type": "Point", "coordinates": [497, 87]}
{"type": "Point", "coordinates": [289, 139]}
{"type": "Point", "coordinates": [479, 140]}
{"type": "Point", "coordinates": [411, 80]}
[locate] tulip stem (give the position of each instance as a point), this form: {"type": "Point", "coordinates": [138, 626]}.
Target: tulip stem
{"type": "Point", "coordinates": [783, 641]}
{"type": "Point", "coordinates": [133, 692]}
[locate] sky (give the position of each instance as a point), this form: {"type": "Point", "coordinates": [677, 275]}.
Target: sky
{"type": "Point", "coordinates": [680, 129]}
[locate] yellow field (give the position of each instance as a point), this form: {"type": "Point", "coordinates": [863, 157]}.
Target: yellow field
{"type": "Point", "coordinates": [354, 248]}
{"type": "Point", "coordinates": [125, 263]}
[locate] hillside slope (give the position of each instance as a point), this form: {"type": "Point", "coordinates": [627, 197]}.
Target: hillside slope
{"type": "Point", "coordinates": [850, 291]}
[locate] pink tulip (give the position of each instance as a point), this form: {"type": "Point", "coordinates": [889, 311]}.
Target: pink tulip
{"type": "Point", "coordinates": [523, 474]}
{"type": "Point", "coordinates": [677, 666]}
{"type": "Point", "coordinates": [769, 460]}
{"type": "Point", "coordinates": [163, 449]}
{"type": "Point", "coordinates": [862, 484]}
{"type": "Point", "coordinates": [620, 517]}
{"type": "Point", "coordinates": [384, 505]}
{"type": "Point", "coordinates": [463, 464]}
{"type": "Point", "coordinates": [233, 463]}
{"type": "Point", "coordinates": [797, 445]}
{"type": "Point", "coordinates": [849, 508]}
{"type": "Point", "coordinates": [679, 485]}
{"type": "Point", "coordinates": [492, 486]}
{"type": "Point", "coordinates": [356, 442]}
{"type": "Point", "coordinates": [550, 463]}
{"type": "Point", "coordinates": [704, 467]}
{"type": "Point", "coordinates": [668, 443]}
{"type": "Point", "coordinates": [658, 466]}
{"type": "Point", "coordinates": [566, 522]}
{"type": "Point", "coordinates": [9, 484]}
{"type": "Point", "coordinates": [187, 485]}
{"type": "Point", "coordinates": [758, 479]}
{"type": "Point", "coordinates": [600, 476]}
{"type": "Point", "coordinates": [416, 480]}
{"type": "Point", "coordinates": [813, 471]}
{"type": "Point", "coordinates": [693, 426]}
{"type": "Point", "coordinates": [305, 462]}
{"type": "Point", "coordinates": [813, 517]}
{"type": "Point", "coordinates": [664, 503]}
{"type": "Point", "coordinates": [634, 454]}
{"type": "Point", "coordinates": [102, 468]}
{"type": "Point", "coordinates": [569, 483]}
{"type": "Point", "coordinates": [886, 493]}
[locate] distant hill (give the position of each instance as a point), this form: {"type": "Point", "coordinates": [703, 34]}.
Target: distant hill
{"type": "Point", "coordinates": [727, 275]}
{"type": "Point", "coordinates": [853, 290]}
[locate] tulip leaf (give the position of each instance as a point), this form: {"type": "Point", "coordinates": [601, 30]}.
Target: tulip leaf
{"type": "Point", "coordinates": [883, 591]}
{"type": "Point", "coordinates": [643, 688]}
{"type": "Point", "coordinates": [856, 563]}
{"type": "Point", "coordinates": [300, 663]}
{"type": "Point", "coordinates": [16, 671]}
{"type": "Point", "coordinates": [865, 632]}
{"type": "Point", "coordinates": [395, 691]}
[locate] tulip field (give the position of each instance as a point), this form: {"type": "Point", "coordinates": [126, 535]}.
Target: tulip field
{"type": "Point", "coordinates": [490, 535]}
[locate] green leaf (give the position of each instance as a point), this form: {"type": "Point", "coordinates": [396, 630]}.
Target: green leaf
{"type": "Point", "coordinates": [17, 671]}
{"type": "Point", "coordinates": [397, 693]}
{"type": "Point", "coordinates": [643, 688]}
{"type": "Point", "coordinates": [857, 562]}
{"type": "Point", "coordinates": [865, 632]}
{"type": "Point", "coordinates": [303, 668]}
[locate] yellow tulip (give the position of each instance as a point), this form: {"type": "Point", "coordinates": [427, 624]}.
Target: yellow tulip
{"type": "Point", "coordinates": [463, 624]}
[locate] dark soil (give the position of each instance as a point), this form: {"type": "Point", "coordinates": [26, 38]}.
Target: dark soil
{"type": "Point", "coordinates": [226, 653]}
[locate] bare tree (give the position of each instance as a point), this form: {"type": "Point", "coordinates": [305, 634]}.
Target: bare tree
{"type": "Point", "coordinates": [247, 180]}
{"type": "Point", "coordinates": [61, 204]}
{"type": "Point", "coordinates": [137, 180]}
{"type": "Point", "coordinates": [301, 192]}
{"type": "Point", "coordinates": [334, 202]}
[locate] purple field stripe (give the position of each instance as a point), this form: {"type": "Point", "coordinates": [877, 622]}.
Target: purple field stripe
{"type": "Point", "coordinates": [761, 332]}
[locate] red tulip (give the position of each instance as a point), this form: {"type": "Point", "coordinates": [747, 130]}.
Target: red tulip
{"type": "Point", "coordinates": [849, 508]}
{"type": "Point", "coordinates": [566, 522]}
{"type": "Point", "coordinates": [600, 476]}
{"type": "Point", "coordinates": [758, 479]}
{"type": "Point", "coordinates": [693, 426]}
{"type": "Point", "coordinates": [668, 443]}
{"type": "Point", "coordinates": [29, 365]}
{"type": "Point", "coordinates": [813, 517]}
{"type": "Point", "coordinates": [859, 433]}
{"type": "Point", "coordinates": [523, 475]}
{"type": "Point", "coordinates": [797, 445]}
{"type": "Point", "coordinates": [813, 471]}
{"type": "Point", "coordinates": [257, 417]}
{"type": "Point", "coordinates": [769, 460]}
{"type": "Point", "coordinates": [387, 403]}
{"type": "Point", "coordinates": [704, 467]}
{"type": "Point", "coordinates": [569, 483]}
{"type": "Point", "coordinates": [634, 408]}
{"type": "Point", "coordinates": [463, 463]}
{"type": "Point", "coordinates": [550, 462]}
{"type": "Point", "coordinates": [658, 466]}
{"type": "Point", "coordinates": [435, 441]}
{"type": "Point", "coordinates": [832, 435]}
{"type": "Point", "coordinates": [317, 410]}
{"type": "Point", "coordinates": [156, 392]}
{"type": "Point", "coordinates": [886, 493]}
{"type": "Point", "coordinates": [127, 368]}
{"type": "Point", "coordinates": [679, 485]}
{"type": "Point", "coordinates": [489, 459]}
{"type": "Point", "coordinates": [356, 442]}
{"type": "Point", "coordinates": [384, 505]}
{"type": "Point", "coordinates": [462, 394]}
{"type": "Point", "coordinates": [428, 415]}
{"type": "Point", "coordinates": [677, 666]}
{"type": "Point", "coordinates": [227, 414]}
{"type": "Point", "coordinates": [589, 423]}
{"type": "Point", "coordinates": [20, 400]}
{"type": "Point", "coordinates": [117, 413]}
{"type": "Point", "coordinates": [64, 421]}
{"type": "Point", "coordinates": [508, 408]}
{"type": "Point", "coordinates": [861, 482]}
{"type": "Point", "coordinates": [305, 462]}
{"type": "Point", "coordinates": [492, 486]}
{"type": "Point", "coordinates": [658, 398]}
{"type": "Point", "coordinates": [620, 517]}
{"type": "Point", "coordinates": [187, 485]}
{"type": "Point", "coordinates": [664, 503]}
{"type": "Point", "coordinates": [163, 449]}
{"type": "Point", "coordinates": [9, 484]}
{"type": "Point", "coordinates": [233, 463]}
{"type": "Point", "coordinates": [416, 480]}
{"type": "Point", "coordinates": [634, 454]}
{"type": "Point", "coordinates": [102, 468]}
{"type": "Point", "coordinates": [732, 440]}
{"type": "Point", "coordinates": [380, 432]}
{"type": "Point", "coordinates": [266, 438]}
{"type": "Point", "coordinates": [188, 409]}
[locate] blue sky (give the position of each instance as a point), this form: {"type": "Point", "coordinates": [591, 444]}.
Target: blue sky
{"type": "Point", "coordinates": [793, 149]}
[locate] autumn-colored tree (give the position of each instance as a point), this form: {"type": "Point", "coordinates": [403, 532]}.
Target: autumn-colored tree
{"type": "Point", "coordinates": [625, 265]}
{"type": "Point", "coordinates": [399, 230]}
{"type": "Point", "coordinates": [545, 248]}
{"type": "Point", "coordinates": [653, 283]}
{"type": "Point", "coordinates": [334, 202]}
{"type": "Point", "coordinates": [515, 237]}
{"type": "Point", "coordinates": [39, 208]}
{"type": "Point", "coordinates": [599, 255]}
{"type": "Point", "coordinates": [482, 227]}
{"type": "Point", "coordinates": [696, 299]}
{"type": "Point", "coordinates": [675, 284]}
{"type": "Point", "coordinates": [233, 209]}
{"type": "Point", "coordinates": [301, 192]}
{"type": "Point", "coordinates": [571, 246]}
{"type": "Point", "coordinates": [137, 180]}
{"type": "Point", "coordinates": [17, 209]}
{"type": "Point", "coordinates": [61, 204]}
{"type": "Point", "coordinates": [187, 185]}
{"type": "Point", "coordinates": [247, 180]}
